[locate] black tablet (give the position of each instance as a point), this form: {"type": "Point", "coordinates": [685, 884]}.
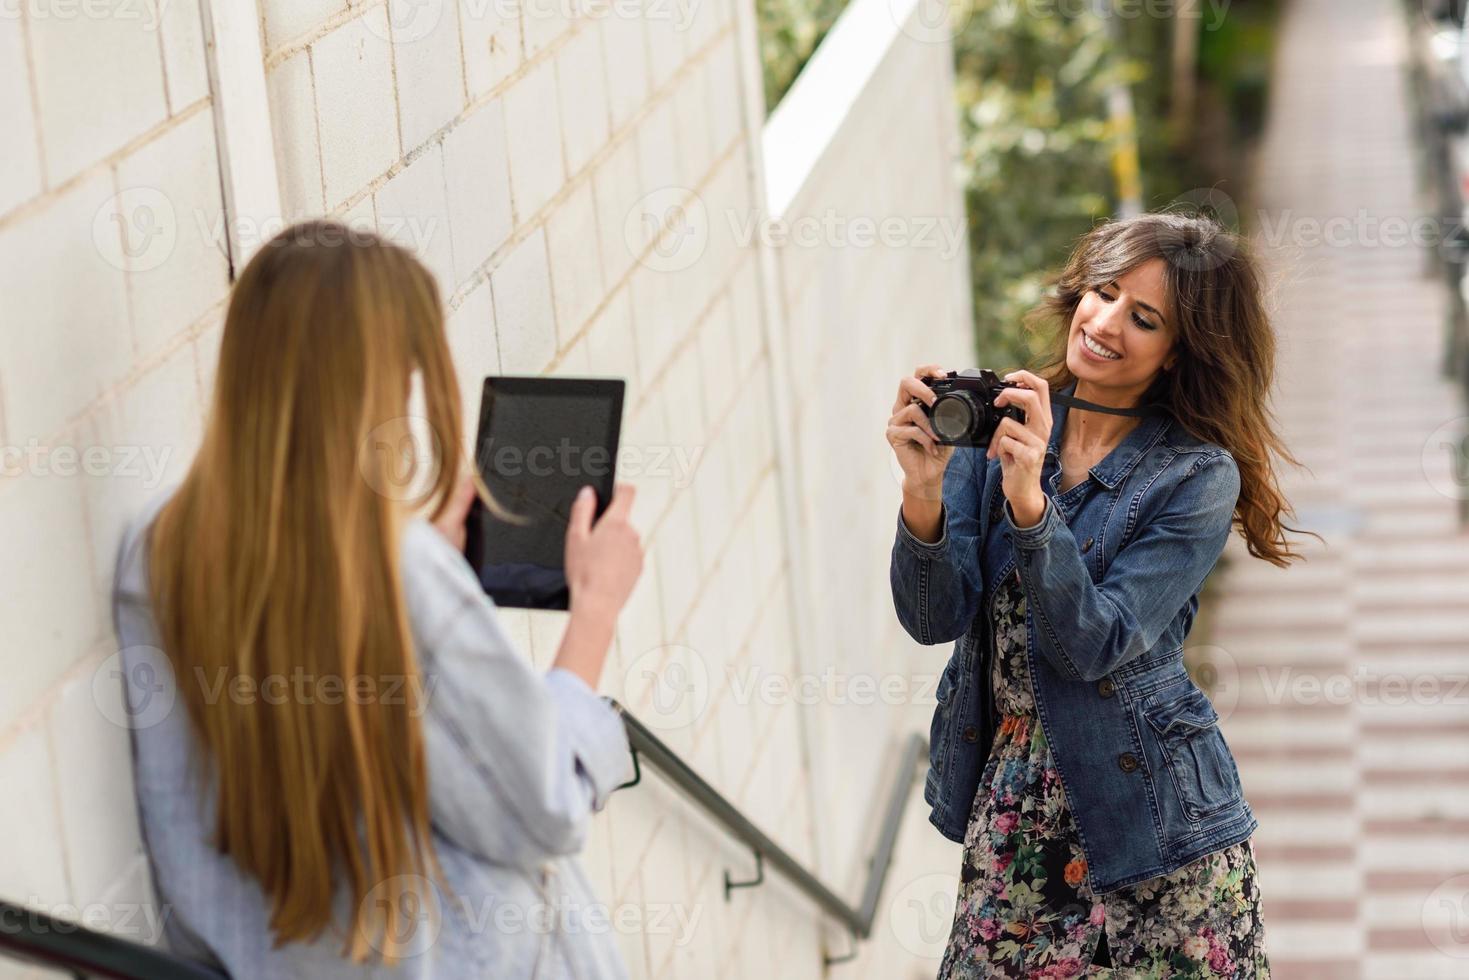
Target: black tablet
{"type": "Point", "coordinates": [540, 440]}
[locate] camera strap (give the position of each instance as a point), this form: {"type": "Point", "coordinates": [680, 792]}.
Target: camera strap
{"type": "Point", "coordinates": [1141, 411]}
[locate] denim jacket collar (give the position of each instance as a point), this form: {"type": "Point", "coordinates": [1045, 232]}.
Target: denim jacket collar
{"type": "Point", "coordinates": [1114, 467]}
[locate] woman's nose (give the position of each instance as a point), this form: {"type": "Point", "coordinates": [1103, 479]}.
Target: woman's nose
{"type": "Point", "coordinates": [1111, 322]}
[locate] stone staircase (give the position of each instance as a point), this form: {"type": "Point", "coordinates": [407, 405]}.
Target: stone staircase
{"type": "Point", "coordinates": [1344, 681]}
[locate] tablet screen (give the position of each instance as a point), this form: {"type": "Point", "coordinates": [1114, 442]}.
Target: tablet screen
{"type": "Point", "coordinates": [540, 440]}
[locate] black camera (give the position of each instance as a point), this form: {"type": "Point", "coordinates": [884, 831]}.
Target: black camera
{"type": "Point", "coordinates": [964, 413]}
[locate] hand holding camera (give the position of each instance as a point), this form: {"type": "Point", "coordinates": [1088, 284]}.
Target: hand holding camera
{"type": "Point", "coordinates": [937, 411]}
{"type": "Point", "coordinates": [920, 453]}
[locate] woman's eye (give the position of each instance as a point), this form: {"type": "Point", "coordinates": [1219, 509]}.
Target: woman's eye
{"type": "Point", "coordinates": [1107, 298]}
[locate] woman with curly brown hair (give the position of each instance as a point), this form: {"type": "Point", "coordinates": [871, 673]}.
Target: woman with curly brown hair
{"type": "Point", "coordinates": [1101, 810]}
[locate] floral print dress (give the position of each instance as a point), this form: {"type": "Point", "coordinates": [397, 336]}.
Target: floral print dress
{"type": "Point", "coordinates": [1025, 909]}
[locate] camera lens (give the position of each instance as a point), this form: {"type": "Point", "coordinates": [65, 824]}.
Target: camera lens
{"type": "Point", "coordinates": [953, 416]}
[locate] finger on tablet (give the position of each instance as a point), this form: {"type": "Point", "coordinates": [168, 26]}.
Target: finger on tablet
{"type": "Point", "coordinates": [582, 508]}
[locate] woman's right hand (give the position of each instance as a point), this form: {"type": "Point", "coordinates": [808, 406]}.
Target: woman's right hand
{"type": "Point", "coordinates": [921, 456]}
{"type": "Point", "coordinates": [603, 560]}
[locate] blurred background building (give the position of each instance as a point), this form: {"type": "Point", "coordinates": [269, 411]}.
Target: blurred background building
{"type": "Point", "coordinates": [762, 214]}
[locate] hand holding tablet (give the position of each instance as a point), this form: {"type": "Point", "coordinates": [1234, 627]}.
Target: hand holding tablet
{"type": "Point", "coordinates": [540, 441]}
{"type": "Point", "coordinates": [603, 560]}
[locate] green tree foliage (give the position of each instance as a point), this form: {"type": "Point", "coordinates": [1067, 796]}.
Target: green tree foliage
{"type": "Point", "coordinates": [790, 30]}
{"type": "Point", "coordinates": [1032, 79]}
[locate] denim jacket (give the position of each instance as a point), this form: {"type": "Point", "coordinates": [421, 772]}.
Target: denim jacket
{"type": "Point", "coordinates": [1111, 575]}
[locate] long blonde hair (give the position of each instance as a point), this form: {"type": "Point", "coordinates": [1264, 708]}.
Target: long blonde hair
{"type": "Point", "coordinates": [279, 556]}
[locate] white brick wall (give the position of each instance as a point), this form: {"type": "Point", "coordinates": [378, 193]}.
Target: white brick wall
{"type": "Point", "coordinates": [518, 152]}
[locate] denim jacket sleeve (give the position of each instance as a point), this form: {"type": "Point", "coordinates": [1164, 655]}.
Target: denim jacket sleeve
{"type": "Point", "coordinates": [1091, 629]}
{"type": "Point", "coordinates": [936, 586]}
{"type": "Point", "coordinates": [518, 760]}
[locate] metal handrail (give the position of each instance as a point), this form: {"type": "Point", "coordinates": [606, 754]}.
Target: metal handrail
{"type": "Point", "coordinates": [38, 938]}
{"type": "Point", "coordinates": [857, 919]}
{"type": "Point", "coordinates": [34, 937]}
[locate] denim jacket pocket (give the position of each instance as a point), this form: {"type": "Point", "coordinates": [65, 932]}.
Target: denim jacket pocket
{"type": "Point", "coordinates": [941, 725]}
{"type": "Point", "coordinates": [1194, 750]}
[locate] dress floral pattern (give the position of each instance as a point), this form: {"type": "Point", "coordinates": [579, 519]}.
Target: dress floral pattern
{"type": "Point", "coordinates": [1025, 909]}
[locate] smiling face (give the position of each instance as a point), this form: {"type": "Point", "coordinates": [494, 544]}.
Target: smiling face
{"type": "Point", "coordinates": [1122, 333]}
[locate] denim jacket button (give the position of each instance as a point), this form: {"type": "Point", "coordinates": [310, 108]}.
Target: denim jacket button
{"type": "Point", "coordinates": [1127, 761]}
{"type": "Point", "coordinates": [1106, 688]}
{"type": "Point", "coordinates": [971, 734]}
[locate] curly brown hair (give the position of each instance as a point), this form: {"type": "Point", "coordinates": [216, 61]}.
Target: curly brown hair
{"type": "Point", "coordinates": [1219, 388]}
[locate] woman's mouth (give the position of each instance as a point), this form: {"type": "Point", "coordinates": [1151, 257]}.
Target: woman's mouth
{"type": "Point", "coordinates": [1096, 350]}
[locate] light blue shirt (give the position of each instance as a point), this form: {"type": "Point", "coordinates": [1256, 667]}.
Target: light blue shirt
{"type": "Point", "coordinates": [518, 762]}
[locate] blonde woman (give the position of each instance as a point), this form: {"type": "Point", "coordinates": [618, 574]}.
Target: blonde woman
{"type": "Point", "coordinates": [343, 766]}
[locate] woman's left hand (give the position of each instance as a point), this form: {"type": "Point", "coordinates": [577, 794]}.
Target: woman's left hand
{"type": "Point", "coordinates": [1022, 448]}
